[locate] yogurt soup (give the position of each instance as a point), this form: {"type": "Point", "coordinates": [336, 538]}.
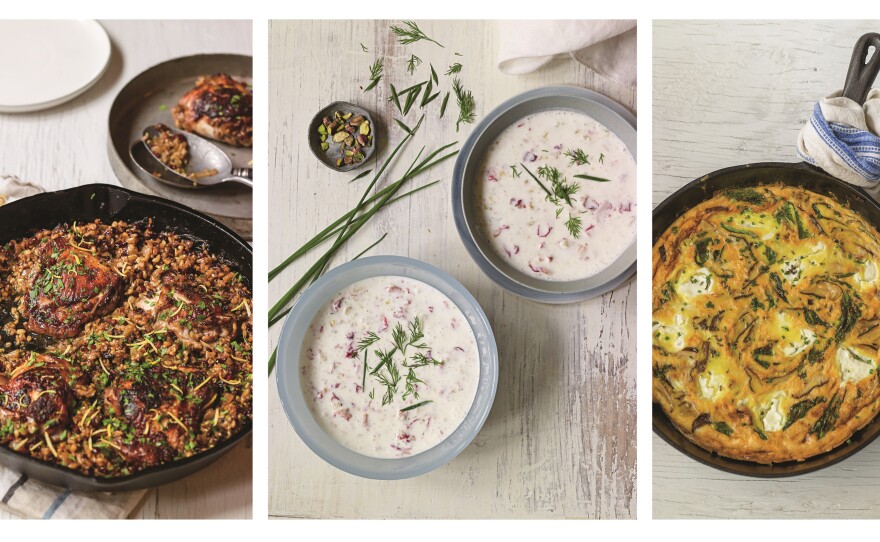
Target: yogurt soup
{"type": "Point", "coordinates": [390, 367]}
{"type": "Point", "coordinates": [578, 217]}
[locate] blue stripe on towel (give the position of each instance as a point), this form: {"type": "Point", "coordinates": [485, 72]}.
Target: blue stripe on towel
{"type": "Point", "coordinates": [858, 149]}
{"type": "Point", "coordinates": [55, 505]}
{"type": "Point", "coordinates": [13, 488]}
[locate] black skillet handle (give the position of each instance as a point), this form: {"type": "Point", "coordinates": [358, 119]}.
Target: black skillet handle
{"type": "Point", "coordinates": [861, 74]}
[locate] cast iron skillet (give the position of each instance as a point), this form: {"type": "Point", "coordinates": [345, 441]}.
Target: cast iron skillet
{"type": "Point", "coordinates": [100, 201]}
{"type": "Point", "coordinates": [858, 82]}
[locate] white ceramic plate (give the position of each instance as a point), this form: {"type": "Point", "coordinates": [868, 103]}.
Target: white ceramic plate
{"type": "Point", "coordinates": [46, 63]}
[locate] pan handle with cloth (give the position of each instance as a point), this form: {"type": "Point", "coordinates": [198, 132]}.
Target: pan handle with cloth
{"type": "Point", "coordinates": [842, 135]}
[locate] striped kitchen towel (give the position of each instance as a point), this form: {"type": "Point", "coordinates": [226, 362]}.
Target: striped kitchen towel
{"type": "Point", "coordinates": [26, 498]}
{"type": "Point", "coordinates": [842, 138]}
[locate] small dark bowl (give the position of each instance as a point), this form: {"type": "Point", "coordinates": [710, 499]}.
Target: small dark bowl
{"type": "Point", "coordinates": [329, 157]}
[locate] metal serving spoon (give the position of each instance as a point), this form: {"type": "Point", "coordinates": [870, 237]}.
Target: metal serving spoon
{"type": "Point", "coordinates": [204, 156]}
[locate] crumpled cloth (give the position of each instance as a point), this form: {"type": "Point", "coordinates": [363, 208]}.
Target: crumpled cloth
{"type": "Point", "coordinates": [26, 498]}
{"type": "Point", "coordinates": [31, 499]}
{"type": "Point", "coordinates": [607, 47]}
{"type": "Point", "coordinates": [842, 138]}
{"type": "Point", "coordinates": [12, 188]}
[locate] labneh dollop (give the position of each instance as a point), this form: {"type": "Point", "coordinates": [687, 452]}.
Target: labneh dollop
{"type": "Point", "coordinates": [585, 223]}
{"type": "Point", "coordinates": [390, 367]}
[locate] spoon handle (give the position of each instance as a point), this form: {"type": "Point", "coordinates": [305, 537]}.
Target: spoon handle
{"type": "Point", "coordinates": [245, 172]}
{"type": "Point", "coordinates": [240, 180]}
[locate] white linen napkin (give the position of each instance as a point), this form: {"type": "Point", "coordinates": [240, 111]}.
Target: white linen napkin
{"type": "Point", "coordinates": [607, 47]}
{"type": "Point", "coordinates": [28, 498]}
{"type": "Point", "coordinates": [31, 499]}
{"type": "Point", "coordinates": [842, 138]}
{"type": "Point", "coordinates": [13, 188]}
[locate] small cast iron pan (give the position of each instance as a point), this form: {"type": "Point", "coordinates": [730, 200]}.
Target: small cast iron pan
{"type": "Point", "coordinates": [108, 203]}
{"type": "Point", "coordinates": [858, 82]}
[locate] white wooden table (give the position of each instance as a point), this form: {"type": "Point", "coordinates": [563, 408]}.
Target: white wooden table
{"type": "Point", "coordinates": [729, 93]}
{"type": "Point", "coordinates": [66, 146]}
{"type": "Point", "coordinates": [560, 440]}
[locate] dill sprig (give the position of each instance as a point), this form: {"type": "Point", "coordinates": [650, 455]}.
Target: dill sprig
{"type": "Point", "coordinates": [421, 360]}
{"type": "Point", "coordinates": [411, 34]}
{"type": "Point", "coordinates": [387, 371]}
{"type": "Point", "coordinates": [389, 380]}
{"type": "Point", "coordinates": [375, 74]}
{"type": "Point", "coordinates": [562, 190]}
{"type": "Point", "coordinates": [364, 47]}
{"type": "Point", "coordinates": [413, 63]}
{"type": "Point", "coordinates": [577, 157]}
{"type": "Point", "coordinates": [574, 225]}
{"type": "Point", "coordinates": [411, 381]}
{"type": "Point", "coordinates": [466, 104]}
{"type": "Point", "coordinates": [455, 68]}
{"type": "Point", "coordinates": [367, 341]}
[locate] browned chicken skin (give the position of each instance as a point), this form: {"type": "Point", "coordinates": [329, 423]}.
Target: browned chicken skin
{"type": "Point", "coordinates": [194, 316]}
{"type": "Point", "coordinates": [69, 289]}
{"type": "Point", "coordinates": [38, 392]}
{"type": "Point", "coordinates": [219, 107]}
{"type": "Point", "coordinates": [162, 411]}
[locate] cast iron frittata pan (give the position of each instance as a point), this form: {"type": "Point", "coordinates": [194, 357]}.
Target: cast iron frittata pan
{"type": "Point", "coordinates": [859, 79]}
{"type": "Point", "coordinates": [108, 203]}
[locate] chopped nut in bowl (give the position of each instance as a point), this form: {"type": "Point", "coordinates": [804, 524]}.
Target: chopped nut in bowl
{"type": "Point", "coordinates": [342, 136]}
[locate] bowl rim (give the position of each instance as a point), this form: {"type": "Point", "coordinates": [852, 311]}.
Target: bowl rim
{"type": "Point", "coordinates": [298, 413]}
{"type": "Point", "coordinates": [468, 235]}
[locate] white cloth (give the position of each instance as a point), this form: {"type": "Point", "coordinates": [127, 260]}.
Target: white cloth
{"type": "Point", "coordinates": [12, 188]}
{"type": "Point", "coordinates": [31, 499]}
{"type": "Point", "coordinates": [842, 138]}
{"type": "Point", "coordinates": [607, 47]}
{"type": "Point", "coordinates": [28, 498]}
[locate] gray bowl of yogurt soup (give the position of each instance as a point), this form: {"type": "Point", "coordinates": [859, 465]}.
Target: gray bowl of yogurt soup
{"type": "Point", "coordinates": [544, 194]}
{"type": "Point", "coordinates": [370, 324]}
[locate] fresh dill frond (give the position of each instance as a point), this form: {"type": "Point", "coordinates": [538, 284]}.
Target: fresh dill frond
{"type": "Point", "coordinates": [562, 190]}
{"type": "Point", "coordinates": [410, 389]}
{"type": "Point", "coordinates": [577, 157]}
{"type": "Point", "coordinates": [516, 172]}
{"type": "Point", "coordinates": [387, 371]}
{"type": "Point", "coordinates": [364, 47]}
{"type": "Point", "coordinates": [416, 333]}
{"type": "Point", "coordinates": [466, 104]}
{"type": "Point", "coordinates": [413, 63]}
{"type": "Point", "coordinates": [375, 74]}
{"type": "Point", "coordinates": [574, 226]}
{"type": "Point", "coordinates": [390, 381]}
{"type": "Point", "coordinates": [367, 341]}
{"type": "Point", "coordinates": [421, 360]}
{"type": "Point", "coordinates": [398, 336]}
{"type": "Point", "coordinates": [410, 33]}
{"type": "Point", "coordinates": [455, 68]}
